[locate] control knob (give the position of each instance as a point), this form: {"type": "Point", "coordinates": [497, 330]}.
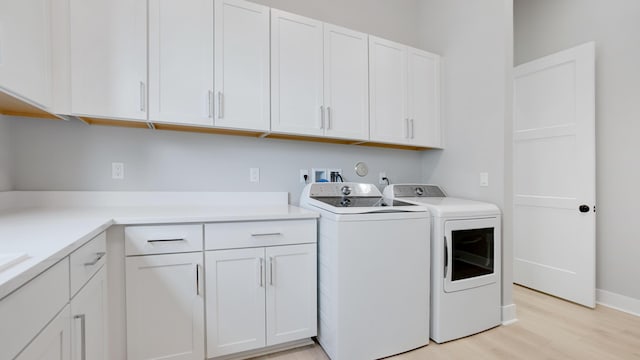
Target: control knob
{"type": "Point", "coordinates": [419, 191]}
{"type": "Point", "coordinates": [346, 190]}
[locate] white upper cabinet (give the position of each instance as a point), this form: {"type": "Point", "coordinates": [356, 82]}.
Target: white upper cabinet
{"type": "Point", "coordinates": [241, 94]}
{"type": "Point", "coordinates": [297, 105]}
{"type": "Point", "coordinates": [423, 103]}
{"type": "Point", "coordinates": [181, 61]}
{"type": "Point", "coordinates": [25, 50]}
{"type": "Point", "coordinates": [404, 94]}
{"type": "Point", "coordinates": [346, 83]}
{"type": "Point", "coordinates": [108, 58]}
{"type": "Point", "coordinates": [319, 83]}
{"type": "Point", "coordinates": [388, 91]}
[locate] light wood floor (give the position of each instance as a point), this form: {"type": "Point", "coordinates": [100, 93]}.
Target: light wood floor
{"type": "Point", "coordinates": [547, 328]}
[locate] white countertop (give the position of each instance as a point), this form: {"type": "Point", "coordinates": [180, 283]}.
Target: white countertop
{"type": "Point", "coordinates": [48, 234]}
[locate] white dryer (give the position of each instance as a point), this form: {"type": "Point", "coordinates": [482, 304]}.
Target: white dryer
{"type": "Point", "coordinates": [465, 260]}
{"type": "Point", "coordinates": [373, 271]}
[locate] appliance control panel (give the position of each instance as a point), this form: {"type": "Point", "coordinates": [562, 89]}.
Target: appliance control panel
{"type": "Point", "coordinates": [343, 189]}
{"type": "Point", "coordinates": [417, 190]}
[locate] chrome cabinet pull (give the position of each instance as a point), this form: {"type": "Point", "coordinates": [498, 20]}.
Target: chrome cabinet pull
{"type": "Point", "coordinates": [446, 257]}
{"type": "Point", "coordinates": [321, 117]}
{"type": "Point", "coordinates": [270, 270]}
{"type": "Point", "coordinates": [266, 234]}
{"type": "Point", "coordinates": [142, 96]}
{"type": "Point", "coordinates": [99, 255]}
{"type": "Point", "coordinates": [406, 131]}
{"type": "Point", "coordinates": [83, 336]}
{"type": "Point", "coordinates": [220, 101]}
{"type": "Point", "coordinates": [261, 271]}
{"type": "Point", "coordinates": [328, 117]}
{"type": "Point", "coordinates": [210, 99]}
{"type": "Point", "coordinates": [198, 279]}
{"type": "Point", "coordinates": [413, 134]}
{"type": "Point", "coordinates": [164, 240]}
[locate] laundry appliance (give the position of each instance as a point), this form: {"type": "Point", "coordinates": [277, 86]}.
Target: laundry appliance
{"type": "Point", "coordinates": [373, 266]}
{"type": "Point", "coordinates": [465, 260]}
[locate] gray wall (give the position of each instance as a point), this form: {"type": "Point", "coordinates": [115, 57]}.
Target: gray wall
{"type": "Point", "coordinates": [475, 40]}
{"type": "Point", "coordinates": [395, 20]}
{"type": "Point", "coordinates": [543, 27]}
{"type": "Point", "coordinates": [5, 155]}
{"type": "Point", "coordinates": [58, 155]}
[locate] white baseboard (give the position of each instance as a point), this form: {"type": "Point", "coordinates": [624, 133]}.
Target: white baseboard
{"type": "Point", "coordinates": [618, 302]}
{"type": "Point", "coordinates": [509, 314]}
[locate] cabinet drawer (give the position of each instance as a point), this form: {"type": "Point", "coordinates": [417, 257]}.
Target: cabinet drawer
{"type": "Point", "coordinates": [259, 233]}
{"type": "Point", "coordinates": [86, 261]}
{"type": "Point", "coordinates": [26, 311]}
{"type": "Point", "coordinates": [162, 239]}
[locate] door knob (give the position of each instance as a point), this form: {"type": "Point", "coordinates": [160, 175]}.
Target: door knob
{"type": "Point", "coordinates": [584, 208]}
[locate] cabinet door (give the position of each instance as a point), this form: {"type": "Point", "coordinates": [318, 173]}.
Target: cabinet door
{"type": "Point", "coordinates": [291, 293]}
{"type": "Point", "coordinates": [388, 91]}
{"type": "Point", "coordinates": [165, 307]}
{"type": "Point", "coordinates": [242, 65]}
{"type": "Point", "coordinates": [108, 51]}
{"type": "Point", "coordinates": [235, 301]}
{"type": "Point", "coordinates": [25, 49]}
{"type": "Point", "coordinates": [346, 83]}
{"type": "Point", "coordinates": [424, 97]}
{"type": "Point", "coordinates": [89, 320]}
{"type": "Point", "coordinates": [53, 342]}
{"type": "Point", "coordinates": [181, 61]}
{"type": "Point", "coordinates": [296, 74]}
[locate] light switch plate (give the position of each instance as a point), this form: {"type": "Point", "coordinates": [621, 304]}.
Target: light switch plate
{"type": "Point", "coordinates": [117, 171]}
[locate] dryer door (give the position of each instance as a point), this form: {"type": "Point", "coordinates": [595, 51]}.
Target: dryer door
{"type": "Point", "coordinates": [472, 253]}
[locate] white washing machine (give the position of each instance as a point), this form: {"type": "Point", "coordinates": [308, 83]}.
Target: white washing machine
{"type": "Point", "coordinates": [373, 266]}
{"type": "Point", "coordinates": [465, 260]}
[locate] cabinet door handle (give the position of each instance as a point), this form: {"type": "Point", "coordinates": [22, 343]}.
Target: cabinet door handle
{"type": "Point", "coordinates": [164, 240]}
{"type": "Point", "coordinates": [198, 279]}
{"type": "Point", "coordinates": [328, 117]}
{"type": "Point", "coordinates": [266, 234]}
{"type": "Point", "coordinates": [261, 272]}
{"type": "Point", "coordinates": [271, 270]}
{"type": "Point", "coordinates": [99, 255]}
{"type": "Point", "coordinates": [83, 336]}
{"type": "Point", "coordinates": [406, 130]}
{"type": "Point", "coordinates": [321, 117]}
{"type": "Point", "coordinates": [143, 90]}
{"type": "Point", "coordinates": [413, 134]}
{"type": "Point", "coordinates": [210, 102]}
{"type": "Point", "coordinates": [220, 108]}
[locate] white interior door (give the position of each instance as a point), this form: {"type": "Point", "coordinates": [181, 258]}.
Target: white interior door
{"type": "Point", "coordinates": [554, 174]}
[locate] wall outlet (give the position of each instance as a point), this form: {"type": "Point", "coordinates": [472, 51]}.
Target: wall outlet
{"type": "Point", "coordinates": [254, 175]}
{"type": "Point", "coordinates": [304, 176]}
{"type": "Point", "coordinates": [117, 171]}
{"type": "Point", "coordinates": [381, 178]}
{"type": "Point", "coordinates": [484, 179]}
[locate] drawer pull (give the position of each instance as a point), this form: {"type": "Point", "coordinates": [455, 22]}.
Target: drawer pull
{"type": "Point", "coordinates": [267, 234]}
{"type": "Point", "coordinates": [164, 240]}
{"type": "Point", "coordinates": [99, 256]}
{"type": "Point", "coordinates": [83, 336]}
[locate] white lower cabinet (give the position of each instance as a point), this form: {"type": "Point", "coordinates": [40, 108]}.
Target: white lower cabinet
{"type": "Point", "coordinates": [89, 320]}
{"type": "Point", "coordinates": [165, 306]}
{"type": "Point", "coordinates": [53, 342]}
{"type": "Point", "coordinates": [260, 297]}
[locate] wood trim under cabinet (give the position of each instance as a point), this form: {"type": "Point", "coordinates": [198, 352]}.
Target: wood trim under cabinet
{"type": "Point", "coordinates": [12, 106]}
